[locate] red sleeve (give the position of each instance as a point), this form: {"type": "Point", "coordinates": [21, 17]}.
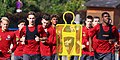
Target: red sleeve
{"type": "Point", "coordinates": [85, 36]}
{"type": "Point", "coordinates": [14, 43]}
{"type": "Point", "coordinates": [23, 31]}
{"type": "Point", "coordinates": [41, 31]}
{"type": "Point", "coordinates": [93, 30]}
{"type": "Point", "coordinates": [52, 37]}
{"type": "Point", "coordinates": [55, 41]}
{"type": "Point", "coordinates": [115, 32]}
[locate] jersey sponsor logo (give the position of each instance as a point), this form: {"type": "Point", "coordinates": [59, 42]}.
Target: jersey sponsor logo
{"type": "Point", "coordinates": [105, 35]}
{"type": "Point", "coordinates": [17, 38]}
{"type": "Point", "coordinates": [8, 37]}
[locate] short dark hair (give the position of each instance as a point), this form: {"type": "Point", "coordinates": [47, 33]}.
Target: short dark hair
{"type": "Point", "coordinates": [31, 13]}
{"type": "Point", "coordinates": [96, 17]}
{"type": "Point", "coordinates": [54, 15]}
{"type": "Point", "coordinates": [68, 18]}
{"type": "Point", "coordinates": [46, 17]}
{"type": "Point", "coordinates": [105, 13]}
{"type": "Point", "coordinates": [89, 17]}
{"type": "Point", "coordinates": [21, 21]}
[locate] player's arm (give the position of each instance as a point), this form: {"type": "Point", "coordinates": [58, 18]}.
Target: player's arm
{"type": "Point", "coordinates": [116, 34]}
{"type": "Point", "coordinates": [91, 33]}
{"type": "Point", "coordinates": [14, 42]}
{"type": "Point", "coordinates": [52, 38]}
{"type": "Point", "coordinates": [22, 35]}
{"type": "Point", "coordinates": [43, 36]}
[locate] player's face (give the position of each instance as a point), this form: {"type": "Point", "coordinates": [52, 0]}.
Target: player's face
{"type": "Point", "coordinates": [31, 19]}
{"type": "Point", "coordinates": [95, 21]}
{"type": "Point", "coordinates": [4, 25]}
{"type": "Point", "coordinates": [88, 22]}
{"type": "Point", "coordinates": [21, 25]}
{"type": "Point", "coordinates": [106, 18]}
{"type": "Point", "coordinates": [54, 20]}
{"type": "Point", "coordinates": [45, 23]}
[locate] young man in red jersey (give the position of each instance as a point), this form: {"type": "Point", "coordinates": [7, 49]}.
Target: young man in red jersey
{"type": "Point", "coordinates": [6, 39]}
{"type": "Point", "coordinates": [47, 46]}
{"type": "Point", "coordinates": [86, 53]}
{"type": "Point", "coordinates": [18, 53]}
{"type": "Point", "coordinates": [31, 32]}
{"type": "Point", "coordinates": [96, 20]}
{"type": "Point", "coordinates": [54, 20]}
{"type": "Point", "coordinates": [106, 37]}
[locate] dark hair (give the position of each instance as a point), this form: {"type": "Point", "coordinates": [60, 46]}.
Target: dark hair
{"type": "Point", "coordinates": [89, 17]}
{"type": "Point", "coordinates": [21, 21]}
{"type": "Point", "coordinates": [31, 13]}
{"type": "Point", "coordinates": [46, 17]}
{"type": "Point", "coordinates": [105, 13]}
{"type": "Point", "coordinates": [68, 18]}
{"type": "Point", "coordinates": [54, 15]}
{"type": "Point", "coordinates": [97, 17]}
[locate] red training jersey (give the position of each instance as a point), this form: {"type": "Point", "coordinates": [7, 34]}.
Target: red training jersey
{"type": "Point", "coordinates": [48, 48]}
{"type": "Point", "coordinates": [85, 41]}
{"type": "Point", "coordinates": [6, 39]}
{"type": "Point", "coordinates": [20, 47]}
{"type": "Point", "coordinates": [103, 46]}
{"type": "Point", "coordinates": [32, 46]}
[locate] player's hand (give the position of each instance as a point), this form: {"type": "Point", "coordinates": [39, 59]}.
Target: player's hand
{"type": "Point", "coordinates": [10, 51]}
{"type": "Point", "coordinates": [23, 38]}
{"type": "Point", "coordinates": [37, 38]}
{"type": "Point", "coordinates": [117, 47]}
{"type": "Point", "coordinates": [0, 50]}
{"type": "Point", "coordinates": [83, 46]}
{"type": "Point", "coordinates": [22, 43]}
{"type": "Point", "coordinates": [87, 43]}
{"type": "Point", "coordinates": [43, 39]}
{"type": "Point", "coordinates": [92, 49]}
{"type": "Point", "coordinates": [111, 41]}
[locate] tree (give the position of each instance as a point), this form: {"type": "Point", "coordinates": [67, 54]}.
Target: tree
{"type": "Point", "coordinates": [6, 6]}
{"type": "Point", "coordinates": [60, 6]}
{"type": "Point", "coordinates": [45, 6]}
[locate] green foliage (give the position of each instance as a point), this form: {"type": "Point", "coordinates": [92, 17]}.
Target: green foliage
{"type": "Point", "coordinates": [7, 6]}
{"type": "Point", "coordinates": [74, 5]}
{"type": "Point", "coordinates": [45, 6]}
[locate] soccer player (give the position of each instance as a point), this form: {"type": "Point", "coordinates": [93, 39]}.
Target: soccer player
{"type": "Point", "coordinates": [18, 53]}
{"type": "Point", "coordinates": [106, 35]}
{"type": "Point", "coordinates": [96, 20]}
{"type": "Point", "coordinates": [32, 33]}
{"type": "Point", "coordinates": [6, 39]}
{"type": "Point", "coordinates": [54, 20]}
{"type": "Point", "coordinates": [86, 53]}
{"type": "Point", "coordinates": [47, 47]}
